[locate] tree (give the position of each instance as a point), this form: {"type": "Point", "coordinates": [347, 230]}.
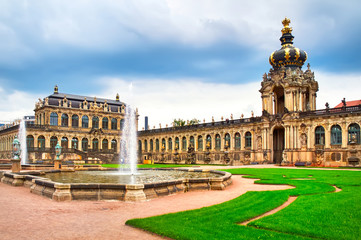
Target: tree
{"type": "Point", "coordinates": [194, 121]}
{"type": "Point", "coordinates": [179, 122]}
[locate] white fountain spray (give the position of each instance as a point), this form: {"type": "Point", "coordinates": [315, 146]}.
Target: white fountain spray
{"type": "Point", "coordinates": [128, 142]}
{"type": "Point", "coordinates": [22, 140]}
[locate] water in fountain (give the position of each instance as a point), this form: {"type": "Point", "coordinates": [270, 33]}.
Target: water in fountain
{"type": "Point", "coordinates": [128, 143]}
{"type": "Point", "coordinates": [22, 140]}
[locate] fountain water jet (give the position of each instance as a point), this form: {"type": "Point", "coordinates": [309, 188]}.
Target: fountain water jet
{"type": "Point", "coordinates": [22, 139]}
{"type": "Point", "coordinates": [128, 143]}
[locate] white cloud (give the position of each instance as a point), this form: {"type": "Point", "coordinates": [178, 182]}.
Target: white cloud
{"type": "Point", "coordinates": [333, 87]}
{"type": "Point", "coordinates": [164, 100]}
{"type": "Point", "coordinates": [15, 104]}
{"type": "Point", "coordinates": [114, 25]}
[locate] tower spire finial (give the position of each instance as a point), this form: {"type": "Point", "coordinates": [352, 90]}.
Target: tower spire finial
{"type": "Point", "coordinates": [56, 89]}
{"type": "Point", "coordinates": [286, 28]}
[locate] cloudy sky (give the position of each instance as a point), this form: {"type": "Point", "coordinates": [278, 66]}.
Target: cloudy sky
{"type": "Point", "coordinates": [184, 58]}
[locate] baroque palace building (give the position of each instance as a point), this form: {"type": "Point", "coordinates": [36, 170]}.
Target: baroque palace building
{"type": "Point", "coordinates": [87, 128]}
{"type": "Point", "coordinates": [290, 129]}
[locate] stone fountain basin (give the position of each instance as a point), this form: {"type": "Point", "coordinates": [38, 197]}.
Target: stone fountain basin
{"type": "Point", "coordinates": [116, 191]}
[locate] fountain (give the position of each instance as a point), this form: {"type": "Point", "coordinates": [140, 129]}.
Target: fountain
{"type": "Point", "coordinates": [125, 183]}
{"type": "Point", "coordinates": [22, 139]}
{"type": "Point", "coordinates": [128, 143]}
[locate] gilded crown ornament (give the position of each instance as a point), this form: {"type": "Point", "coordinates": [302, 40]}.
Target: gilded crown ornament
{"type": "Point", "coordinates": [286, 27]}
{"type": "Point", "coordinates": [288, 55]}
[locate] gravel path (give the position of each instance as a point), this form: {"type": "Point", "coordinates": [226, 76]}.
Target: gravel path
{"type": "Point", "coordinates": [28, 216]}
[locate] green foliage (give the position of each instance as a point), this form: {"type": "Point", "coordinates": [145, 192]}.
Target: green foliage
{"type": "Point", "coordinates": [317, 213]}
{"type": "Point", "coordinates": [180, 122]}
{"type": "Point", "coordinates": [193, 121]}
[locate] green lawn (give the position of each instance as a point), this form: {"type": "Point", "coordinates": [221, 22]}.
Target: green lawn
{"type": "Point", "coordinates": [317, 213]}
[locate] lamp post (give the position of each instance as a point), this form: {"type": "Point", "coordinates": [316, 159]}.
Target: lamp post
{"type": "Point", "coordinates": [16, 166]}
{"type": "Point", "coordinates": [57, 161]}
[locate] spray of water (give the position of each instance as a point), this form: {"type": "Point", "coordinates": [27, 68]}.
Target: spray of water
{"type": "Point", "coordinates": [128, 142]}
{"type": "Point", "coordinates": [22, 140]}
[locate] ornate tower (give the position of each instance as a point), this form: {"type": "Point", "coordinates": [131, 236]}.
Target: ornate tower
{"type": "Point", "coordinates": [286, 88]}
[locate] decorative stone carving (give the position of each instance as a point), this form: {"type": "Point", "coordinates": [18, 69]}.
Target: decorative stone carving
{"type": "Point", "coordinates": [303, 139]}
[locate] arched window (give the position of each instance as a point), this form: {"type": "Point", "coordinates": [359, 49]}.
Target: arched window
{"type": "Point", "coordinates": [163, 144]}
{"type": "Point", "coordinates": [184, 144]}
{"type": "Point", "coordinates": [64, 142]}
{"type": "Point", "coordinates": [209, 142]}
{"type": "Point", "coordinates": [145, 145]}
{"type": "Point", "coordinates": [114, 124]}
{"type": "Point", "coordinates": [95, 122]}
{"type": "Point", "coordinates": [85, 121]}
{"type": "Point", "coordinates": [176, 147]}
{"type": "Point", "coordinates": [105, 144]}
{"type": "Point", "coordinates": [218, 142]}
{"type": "Point", "coordinates": [248, 139]}
{"type": "Point", "coordinates": [170, 144]}
{"type": "Point", "coordinates": [121, 124]}
{"type": "Point", "coordinates": [53, 142]}
{"type": "Point", "coordinates": [151, 145]}
{"type": "Point", "coordinates": [140, 146]}
{"type": "Point", "coordinates": [74, 143]}
{"type": "Point", "coordinates": [200, 143]}
{"type": "Point", "coordinates": [157, 145]}
{"type": "Point", "coordinates": [319, 136]}
{"type": "Point", "coordinates": [29, 142]}
{"type": "Point", "coordinates": [114, 145]}
{"type": "Point", "coordinates": [237, 141]}
{"type": "Point", "coordinates": [84, 144]}
{"type": "Point", "coordinates": [227, 141]}
{"type": "Point", "coordinates": [336, 135]}
{"type": "Point", "coordinates": [53, 119]}
{"type": "Point", "coordinates": [354, 133]}
{"type": "Point", "coordinates": [75, 121]}
{"type": "Point", "coordinates": [41, 142]}
{"type": "Point", "coordinates": [191, 141]}
{"type": "Point", "coordinates": [95, 144]}
{"type": "Point", "coordinates": [64, 120]}
{"type": "Point", "coordinates": [105, 123]}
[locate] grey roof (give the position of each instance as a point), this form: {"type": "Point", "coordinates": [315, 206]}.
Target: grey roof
{"type": "Point", "coordinates": [77, 99]}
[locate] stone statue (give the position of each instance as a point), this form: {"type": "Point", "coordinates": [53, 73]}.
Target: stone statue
{"type": "Point", "coordinates": [303, 139]}
{"type": "Point", "coordinates": [265, 77]}
{"type": "Point", "coordinates": [259, 143]}
{"type": "Point", "coordinates": [284, 156]}
{"type": "Point", "coordinates": [343, 102]}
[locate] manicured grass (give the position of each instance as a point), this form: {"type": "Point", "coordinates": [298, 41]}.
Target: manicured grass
{"type": "Point", "coordinates": [317, 213]}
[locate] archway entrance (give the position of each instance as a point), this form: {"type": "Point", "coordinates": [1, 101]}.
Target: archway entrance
{"type": "Point", "coordinates": [278, 144]}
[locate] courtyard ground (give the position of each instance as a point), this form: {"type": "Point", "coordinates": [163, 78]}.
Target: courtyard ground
{"type": "Point", "coordinates": [28, 216]}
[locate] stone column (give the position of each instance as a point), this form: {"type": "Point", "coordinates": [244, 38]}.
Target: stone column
{"type": "Point", "coordinates": [90, 121]}
{"type": "Point", "coordinates": [344, 135]}
{"type": "Point", "coordinates": [270, 104]}
{"type": "Point", "coordinates": [327, 136]}
{"type": "Point", "coordinates": [291, 138]}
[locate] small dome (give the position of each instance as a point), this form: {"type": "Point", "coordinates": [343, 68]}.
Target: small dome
{"type": "Point", "coordinates": [288, 55]}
